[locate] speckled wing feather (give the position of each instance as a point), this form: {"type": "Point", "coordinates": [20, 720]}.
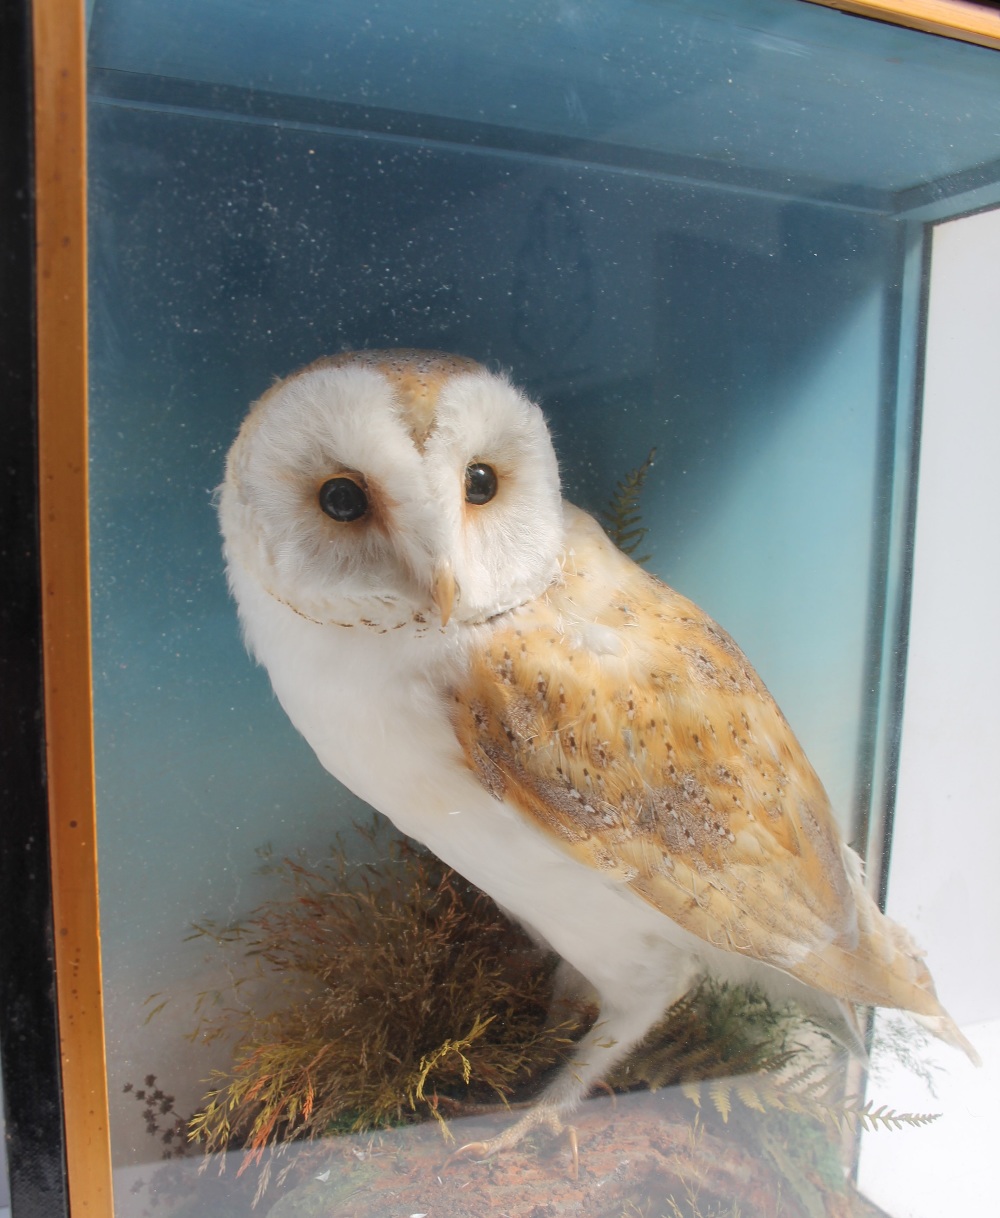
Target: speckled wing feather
{"type": "Point", "coordinates": [627, 725]}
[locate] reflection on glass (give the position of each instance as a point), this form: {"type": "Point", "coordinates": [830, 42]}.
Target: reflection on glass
{"type": "Point", "coordinates": [689, 231]}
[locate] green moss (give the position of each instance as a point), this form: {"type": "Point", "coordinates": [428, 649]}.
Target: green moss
{"type": "Point", "coordinates": [715, 1031]}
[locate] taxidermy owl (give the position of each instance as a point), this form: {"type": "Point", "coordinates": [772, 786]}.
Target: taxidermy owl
{"type": "Point", "coordinates": [473, 657]}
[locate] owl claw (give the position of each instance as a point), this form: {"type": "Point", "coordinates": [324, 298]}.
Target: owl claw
{"type": "Point", "coordinates": [479, 1151]}
{"type": "Point", "coordinates": [574, 1151]}
{"type": "Point", "coordinates": [476, 1152]}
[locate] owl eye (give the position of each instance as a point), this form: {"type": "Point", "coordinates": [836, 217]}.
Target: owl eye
{"type": "Point", "coordinates": [343, 500]}
{"type": "Point", "coordinates": [480, 483]}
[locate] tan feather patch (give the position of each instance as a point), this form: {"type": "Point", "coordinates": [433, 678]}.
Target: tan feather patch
{"type": "Point", "coordinates": [630, 727]}
{"type": "Point", "coordinates": [417, 377]}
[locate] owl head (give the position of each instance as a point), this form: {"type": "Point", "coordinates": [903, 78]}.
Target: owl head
{"type": "Point", "coordinates": [383, 486]}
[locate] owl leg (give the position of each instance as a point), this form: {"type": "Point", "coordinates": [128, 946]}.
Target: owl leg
{"type": "Point", "coordinates": [607, 1042]}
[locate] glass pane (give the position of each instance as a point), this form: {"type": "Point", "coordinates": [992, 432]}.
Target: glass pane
{"type": "Point", "coordinates": [699, 230]}
{"type": "Point", "coordinates": [960, 437]}
{"type": "Point", "coordinates": [744, 88]}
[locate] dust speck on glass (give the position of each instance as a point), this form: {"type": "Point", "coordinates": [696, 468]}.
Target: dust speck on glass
{"type": "Point", "coordinates": [696, 229]}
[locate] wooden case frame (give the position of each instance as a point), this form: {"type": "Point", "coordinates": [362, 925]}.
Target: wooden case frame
{"type": "Point", "coordinates": [53, 1036]}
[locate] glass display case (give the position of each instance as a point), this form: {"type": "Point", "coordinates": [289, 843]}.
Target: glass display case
{"type": "Point", "coordinates": [739, 234]}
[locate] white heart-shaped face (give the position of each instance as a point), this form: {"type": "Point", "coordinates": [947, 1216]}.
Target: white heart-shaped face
{"type": "Point", "coordinates": [360, 485]}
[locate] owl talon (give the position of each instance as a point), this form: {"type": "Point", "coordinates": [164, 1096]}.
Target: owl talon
{"type": "Point", "coordinates": [478, 1152]}
{"type": "Point", "coordinates": [574, 1151]}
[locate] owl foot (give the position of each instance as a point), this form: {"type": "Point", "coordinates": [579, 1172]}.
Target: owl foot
{"type": "Point", "coordinates": [538, 1116]}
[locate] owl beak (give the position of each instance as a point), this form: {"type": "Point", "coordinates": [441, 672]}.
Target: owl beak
{"type": "Point", "coordinates": [443, 591]}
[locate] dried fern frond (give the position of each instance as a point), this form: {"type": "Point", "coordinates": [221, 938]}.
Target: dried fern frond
{"type": "Point", "coordinates": [622, 518]}
{"type": "Point", "coordinates": [732, 1044]}
{"type": "Point", "coordinates": [872, 1118]}
{"type": "Point", "coordinates": [820, 1099]}
{"type": "Point", "coordinates": [812, 1091]}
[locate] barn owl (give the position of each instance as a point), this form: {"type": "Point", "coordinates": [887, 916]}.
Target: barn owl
{"type": "Point", "coordinates": [473, 657]}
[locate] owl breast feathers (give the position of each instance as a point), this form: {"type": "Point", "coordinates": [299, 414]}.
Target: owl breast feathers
{"type": "Point", "coordinates": [476, 659]}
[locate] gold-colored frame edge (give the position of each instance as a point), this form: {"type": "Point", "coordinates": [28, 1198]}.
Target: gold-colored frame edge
{"type": "Point", "coordinates": [61, 286]}
{"type": "Point", "coordinates": [950, 18]}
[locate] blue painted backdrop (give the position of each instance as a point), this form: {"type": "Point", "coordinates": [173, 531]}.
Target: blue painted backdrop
{"type": "Point", "coordinates": [676, 224]}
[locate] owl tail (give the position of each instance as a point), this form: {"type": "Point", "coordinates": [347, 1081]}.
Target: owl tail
{"type": "Point", "coordinates": [946, 1029]}
{"type": "Point", "coordinates": [884, 968]}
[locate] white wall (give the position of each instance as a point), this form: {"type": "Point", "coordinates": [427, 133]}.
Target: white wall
{"type": "Point", "coordinates": [943, 877]}
{"type": "Point", "coordinates": [946, 844]}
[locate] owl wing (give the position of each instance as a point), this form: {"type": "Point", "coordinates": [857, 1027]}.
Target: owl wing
{"type": "Point", "coordinates": [625, 724]}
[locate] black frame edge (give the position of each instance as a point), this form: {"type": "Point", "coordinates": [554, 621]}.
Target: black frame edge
{"type": "Point", "coordinates": [29, 1035]}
